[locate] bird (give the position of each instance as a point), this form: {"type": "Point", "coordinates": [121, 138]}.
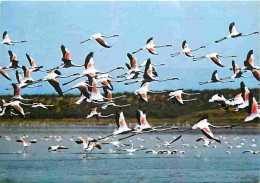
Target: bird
{"type": "Point", "coordinates": [90, 69]}
{"type": "Point", "coordinates": [32, 63]}
{"type": "Point", "coordinates": [233, 33]}
{"type": "Point", "coordinates": [116, 143]}
{"type": "Point", "coordinates": [99, 38]}
{"type": "Point", "coordinates": [149, 75]}
{"type": "Point", "coordinates": [26, 144]}
{"type": "Point", "coordinates": [151, 151]}
{"type": "Point", "coordinates": [245, 96]}
{"type": "Point", "coordinates": [252, 152]}
{"type": "Point", "coordinates": [93, 112]}
{"type": "Point", "coordinates": [143, 124]}
{"type": "Point", "coordinates": [89, 146]}
{"type": "Point", "coordinates": [150, 47]}
{"type": "Point", "coordinates": [186, 50]}
{"type": "Point", "coordinates": [169, 144]}
{"type": "Point", "coordinates": [215, 58]}
{"type": "Point", "coordinates": [249, 62]}
{"type": "Point", "coordinates": [237, 72]}
{"type": "Point", "coordinates": [8, 41]}
{"type": "Point", "coordinates": [176, 96]}
{"type": "Point", "coordinates": [215, 79]}
{"type": "Point", "coordinates": [66, 59]}
{"type": "Point", "coordinates": [221, 100]}
{"type": "Point", "coordinates": [51, 78]}
{"type": "Point", "coordinates": [57, 147]}
{"type": "Point", "coordinates": [252, 109]}
{"type": "Point", "coordinates": [4, 73]}
{"type": "Point", "coordinates": [204, 125]}
{"type": "Point", "coordinates": [83, 87]}
{"type": "Point", "coordinates": [132, 150]}
{"type": "Point", "coordinates": [44, 106]}
{"type": "Point", "coordinates": [142, 92]}
{"type": "Point", "coordinates": [122, 127]}
{"type": "Point", "coordinates": [13, 61]}
{"type": "Point", "coordinates": [206, 141]}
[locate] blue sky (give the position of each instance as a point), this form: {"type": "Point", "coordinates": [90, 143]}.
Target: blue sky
{"type": "Point", "coordinates": [48, 25]}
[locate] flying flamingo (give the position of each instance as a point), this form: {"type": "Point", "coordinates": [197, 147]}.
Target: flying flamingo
{"type": "Point", "coordinates": [132, 150]}
{"type": "Point", "coordinates": [89, 146]}
{"type": "Point", "coordinates": [90, 69]}
{"type": "Point", "coordinates": [66, 59]}
{"type": "Point", "coordinates": [252, 152]}
{"type": "Point", "coordinates": [143, 124]}
{"type": "Point", "coordinates": [57, 147]}
{"type": "Point", "coordinates": [149, 75]}
{"type": "Point", "coordinates": [82, 87]}
{"type": "Point", "coordinates": [215, 58]}
{"type": "Point", "coordinates": [249, 62]}
{"type": "Point", "coordinates": [169, 144]}
{"type": "Point", "coordinates": [221, 100]}
{"type": "Point", "coordinates": [204, 125]}
{"type": "Point", "coordinates": [233, 33]}
{"type": "Point", "coordinates": [17, 92]}
{"type": "Point", "coordinates": [237, 71]}
{"type": "Point", "coordinates": [93, 112]}
{"type": "Point", "coordinates": [44, 106]}
{"type": "Point", "coordinates": [51, 78]}
{"type": "Point", "coordinates": [32, 62]}
{"type": "Point", "coordinates": [186, 50]}
{"type": "Point", "coordinates": [13, 61]}
{"type": "Point", "coordinates": [215, 79]}
{"type": "Point", "coordinates": [99, 38]}
{"type": "Point", "coordinates": [206, 141]}
{"type": "Point", "coordinates": [252, 109]}
{"type": "Point", "coordinates": [109, 99]}
{"type": "Point", "coordinates": [26, 144]}
{"type": "Point", "coordinates": [176, 96]}
{"type": "Point", "coordinates": [4, 73]}
{"type": "Point", "coordinates": [8, 41]}
{"type": "Point", "coordinates": [150, 47]}
{"type": "Point", "coordinates": [144, 90]}
{"type": "Point", "coordinates": [122, 127]}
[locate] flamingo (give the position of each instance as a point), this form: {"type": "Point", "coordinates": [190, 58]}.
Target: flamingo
{"type": "Point", "coordinates": [132, 150]}
{"type": "Point", "coordinates": [176, 95]}
{"type": "Point", "coordinates": [252, 152]}
{"type": "Point", "coordinates": [105, 80]}
{"type": "Point", "coordinates": [44, 106]}
{"type": "Point", "coordinates": [8, 41]}
{"type": "Point", "coordinates": [99, 38]}
{"type": "Point", "coordinates": [93, 112]}
{"type": "Point", "coordinates": [149, 75]}
{"type": "Point", "coordinates": [169, 144]}
{"type": "Point", "coordinates": [51, 78]}
{"type": "Point", "coordinates": [252, 109]}
{"type": "Point", "coordinates": [206, 141]}
{"type": "Point", "coordinates": [151, 151]}
{"type": "Point", "coordinates": [143, 124]}
{"type": "Point", "coordinates": [15, 106]}
{"type": "Point", "coordinates": [109, 99]}
{"type": "Point", "coordinates": [90, 69]}
{"type": "Point", "coordinates": [245, 95]}
{"type": "Point", "coordinates": [150, 47]}
{"type": "Point", "coordinates": [215, 79]}
{"type": "Point", "coordinates": [122, 127]}
{"type": "Point", "coordinates": [57, 147]}
{"type": "Point", "coordinates": [66, 59]}
{"type": "Point", "coordinates": [234, 34]}
{"type": "Point", "coordinates": [186, 50]}
{"type": "Point", "coordinates": [116, 143]}
{"type": "Point", "coordinates": [89, 146]}
{"type": "Point", "coordinates": [221, 100]}
{"type": "Point", "coordinates": [144, 90]}
{"type": "Point", "coordinates": [17, 92]}
{"type": "Point", "coordinates": [237, 71]}
{"type": "Point", "coordinates": [33, 64]}
{"type": "Point", "coordinates": [249, 62]}
{"type": "Point", "coordinates": [4, 73]}
{"type": "Point", "coordinates": [13, 61]}
{"type": "Point", "coordinates": [26, 144]}
{"type": "Point", "coordinates": [214, 57]}
{"type": "Point", "coordinates": [83, 87]}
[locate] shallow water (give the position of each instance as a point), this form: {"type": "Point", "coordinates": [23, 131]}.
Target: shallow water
{"type": "Point", "coordinates": [203, 164]}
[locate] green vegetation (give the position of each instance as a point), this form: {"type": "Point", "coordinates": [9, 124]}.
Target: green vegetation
{"type": "Point", "coordinates": [159, 111]}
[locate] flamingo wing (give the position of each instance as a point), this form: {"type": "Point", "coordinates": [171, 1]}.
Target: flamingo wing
{"type": "Point", "coordinates": [31, 60]}
{"type": "Point", "coordinates": [56, 86]}
{"type": "Point", "coordinates": [102, 42]}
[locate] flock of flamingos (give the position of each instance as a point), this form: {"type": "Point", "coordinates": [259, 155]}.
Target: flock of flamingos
{"type": "Point", "coordinates": [90, 90]}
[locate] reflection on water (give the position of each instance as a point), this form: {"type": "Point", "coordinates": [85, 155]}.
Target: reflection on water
{"type": "Point", "coordinates": [198, 164]}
